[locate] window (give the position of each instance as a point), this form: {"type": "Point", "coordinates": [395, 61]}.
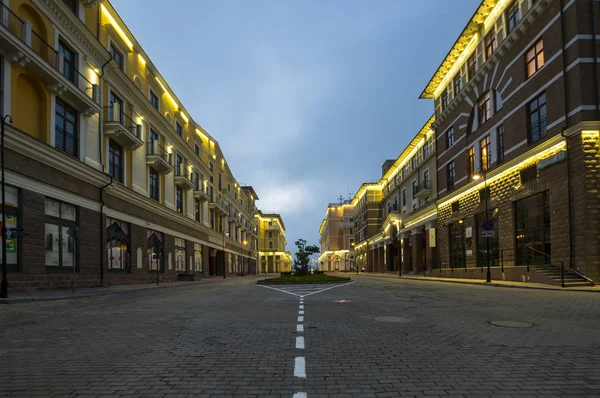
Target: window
{"type": "Point", "coordinates": [270, 234]}
{"type": "Point", "coordinates": [413, 162]}
{"type": "Point", "coordinates": [197, 210]}
{"type": "Point", "coordinates": [153, 142]}
{"type": "Point", "coordinates": [116, 105]}
{"type": "Point", "coordinates": [61, 223]}
{"type": "Point", "coordinates": [414, 188]}
{"type": "Point", "coordinates": [455, 207]}
{"type": "Point", "coordinates": [528, 174]}
{"type": "Point", "coordinates": [270, 245]}
{"type": "Point", "coordinates": [179, 254]}
{"type": "Point", "coordinates": [178, 165]}
{"type": "Point", "coordinates": [457, 84]}
{"type": "Point", "coordinates": [179, 199]}
{"type": "Point", "coordinates": [471, 65]}
{"type": "Point", "coordinates": [532, 228]}
{"type": "Point", "coordinates": [117, 243]}
{"type": "Point", "coordinates": [179, 129]}
{"type": "Point", "coordinates": [197, 257]}
{"type": "Point", "coordinates": [513, 15]}
{"type": "Point", "coordinates": [117, 56]}
{"type": "Point", "coordinates": [490, 43]}
{"type": "Point", "coordinates": [450, 137]}
{"type": "Point", "coordinates": [65, 128]}
{"type": "Point", "coordinates": [536, 111]}
{"type": "Point", "coordinates": [484, 154]}
{"type": "Point", "coordinates": [197, 181]}
{"type": "Point", "coordinates": [211, 166]}
{"type": "Point", "coordinates": [153, 184]}
{"type": "Point", "coordinates": [197, 150]}
{"type": "Point", "coordinates": [471, 162]}
{"type": "Point", "coordinates": [534, 58]}
{"type": "Point", "coordinates": [426, 180]}
{"type": "Point", "coordinates": [445, 99]}
{"type": "Point", "coordinates": [456, 243]}
{"type": "Point", "coordinates": [451, 175]}
{"type": "Point", "coordinates": [500, 143]}
{"type": "Point", "coordinates": [154, 100]}
{"type": "Point", "coordinates": [69, 60]}
{"type": "Point", "coordinates": [12, 221]}
{"type": "Point", "coordinates": [484, 108]}
{"type": "Point", "coordinates": [115, 161]}
{"type": "Point", "coordinates": [72, 4]}
{"type": "Point", "coordinates": [404, 197]}
{"type": "Point", "coordinates": [220, 182]}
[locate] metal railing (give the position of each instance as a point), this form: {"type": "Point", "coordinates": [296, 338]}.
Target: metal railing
{"type": "Point", "coordinates": [115, 114]}
{"type": "Point", "coordinates": [182, 171]}
{"type": "Point", "coordinates": [22, 30]}
{"type": "Point", "coordinates": [532, 255]}
{"type": "Point", "coordinates": [154, 148]}
{"type": "Point", "coordinates": [425, 184]}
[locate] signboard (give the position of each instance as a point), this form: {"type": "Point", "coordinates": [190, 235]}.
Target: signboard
{"type": "Point", "coordinates": [487, 234]}
{"type": "Point", "coordinates": [431, 232]}
{"type": "Point", "coordinates": [469, 240]}
{"type": "Point", "coordinates": [487, 225]}
{"type": "Point", "coordinates": [549, 161]}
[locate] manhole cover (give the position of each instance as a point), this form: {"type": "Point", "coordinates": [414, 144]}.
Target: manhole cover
{"type": "Point", "coordinates": [511, 324]}
{"type": "Point", "coordinates": [342, 301]}
{"type": "Point", "coordinates": [392, 319]}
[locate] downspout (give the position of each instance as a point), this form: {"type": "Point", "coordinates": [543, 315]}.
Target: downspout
{"type": "Point", "coordinates": [566, 126]}
{"type": "Point", "coordinates": [594, 53]}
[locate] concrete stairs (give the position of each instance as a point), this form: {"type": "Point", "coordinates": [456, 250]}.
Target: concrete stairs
{"type": "Point", "coordinates": [572, 279]}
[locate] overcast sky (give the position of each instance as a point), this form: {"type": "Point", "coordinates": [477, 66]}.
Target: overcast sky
{"type": "Point", "coordinates": [306, 98]}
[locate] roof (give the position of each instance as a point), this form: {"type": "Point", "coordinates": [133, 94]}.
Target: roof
{"type": "Point", "coordinates": [250, 190]}
{"type": "Point", "coordinates": [272, 215]}
{"type": "Point", "coordinates": [464, 39]}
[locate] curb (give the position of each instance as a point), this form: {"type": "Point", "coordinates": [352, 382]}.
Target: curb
{"type": "Point", "coordinates": [492, 284]}
{"type": "Point", "coordinates": [88, 295]}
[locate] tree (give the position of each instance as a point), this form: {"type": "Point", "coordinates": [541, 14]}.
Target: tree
{"type": "Point", "coordinates": [303, 256]}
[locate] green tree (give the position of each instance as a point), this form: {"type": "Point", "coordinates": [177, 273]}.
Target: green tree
{"type": "Point", "coordinates": [303, 256]}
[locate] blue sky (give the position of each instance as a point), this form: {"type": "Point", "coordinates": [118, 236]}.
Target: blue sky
{"type": "Point", "coordinates": [306, 98]}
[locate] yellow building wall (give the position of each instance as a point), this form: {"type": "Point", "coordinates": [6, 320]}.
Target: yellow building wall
{"type": "Point", "coordinates": [30, 104]}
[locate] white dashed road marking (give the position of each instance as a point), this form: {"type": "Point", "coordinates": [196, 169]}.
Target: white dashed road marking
{"type": "Point", "coordinates": [301, 306]}
{"type": "Point", "coordinates": [300, 368]}
{"type": "Point", "coordinates": [300, 328]}
{"type": "Point", "coordinates": [300, 319]}
{"type": "Point", "coordinates": [300, 342]}
{"type": "Point", "coordinates": [300, 395]}
{"type": "Point", "coordinates": [301, 312]}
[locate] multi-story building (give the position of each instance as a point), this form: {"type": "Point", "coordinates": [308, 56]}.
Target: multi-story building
{"type": "Point", "coordinates": [517, 126]}
{"type": "Point", "coordinates": [337, 238]}
{"type": "Point", "coordinates": [105, 168]}
{"type": "Point", "coordinates": [271, 243]}
{"type": "Point", "coordinates": [395, 218]}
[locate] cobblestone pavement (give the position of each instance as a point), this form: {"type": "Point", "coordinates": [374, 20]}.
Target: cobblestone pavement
{"type": "Point", "coordinates": [372, 338]}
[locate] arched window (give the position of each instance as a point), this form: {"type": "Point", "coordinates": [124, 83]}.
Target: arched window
{"type": "Point", "coordinates": [117, 244]}
{"type": "Point", "coordinates": [486, 106]}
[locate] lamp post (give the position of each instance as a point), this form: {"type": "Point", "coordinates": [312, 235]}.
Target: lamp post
{"type": "Point", "coordinates": [245, 244]}
{"type": "Point", "coordinates": [4, 285]}
{"type": "Point", "coordinates": [487, 239]}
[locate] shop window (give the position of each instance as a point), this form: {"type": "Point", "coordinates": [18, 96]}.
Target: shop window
{"type": "Point", "coordinates": [532, 229]}
{"type": "Point", "coordinates": [154, 242]}
{"type": "Point", "coordinates": [61, 223]}
{"type": "Point", "coordinates": [456, 241]}
{"type": "Point", "coordinates": [197, 257]}
{"type": "Point", "coordinates": [117, 244]}
{"type": "Point", "coordinates": [179, 254]}
{"type": "Point", "coordinates": [12, 221]}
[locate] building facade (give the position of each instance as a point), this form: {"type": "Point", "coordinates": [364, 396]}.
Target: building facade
{"type": "Point", "coordinates": [106, 171]}
{"type": "Point", "coordinates": [395, 222]}
{"type": "Point", "coordinates": [517, 128]}
{"type": "Point", "coordinates": [271, 244]}
{"type": "Point", "coordinates": [337, 238]}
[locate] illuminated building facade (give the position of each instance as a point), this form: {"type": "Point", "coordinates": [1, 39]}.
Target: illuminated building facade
{"type": "Point", "coordinates": [517, 120]}
{"type": "Point", "coordinates": [271, 244]}
{"type": "Point", "coordinates": [106, 170]}
{"type": "Point", "coordinates": [337, 238]}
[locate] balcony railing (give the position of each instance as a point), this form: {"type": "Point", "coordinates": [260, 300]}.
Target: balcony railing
{"type": "Point", "coordinates": [114, 113]}
{"type": "Point", "coordinates": [182, 171]}
{"type": "Point", "coordinates": [424, 185]}
{"type": "Point", "coordinates": [22, 30]}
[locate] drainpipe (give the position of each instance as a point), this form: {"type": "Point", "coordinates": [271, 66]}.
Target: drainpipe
{"type": "Point", "coordinates": [566, 126]}
{"type": "Point", "coordinates": [594, 52]}
{"type": "Point", "coordinates": [100, 96]}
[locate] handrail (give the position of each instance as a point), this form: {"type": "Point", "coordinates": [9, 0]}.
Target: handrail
{"type": "Point", "coordinates": [12, 22]}
{"type": "Point", "coordinates": [153, 147]}
{"type": "Point", "coordinates": [530, 250]}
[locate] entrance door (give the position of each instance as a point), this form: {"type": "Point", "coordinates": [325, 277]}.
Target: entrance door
{"type": "Point", "coordinates": [457, 245]}
{"type": "Point", "coordinates": [532, 228]}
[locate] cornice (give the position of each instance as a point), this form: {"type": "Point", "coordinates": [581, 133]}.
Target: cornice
{"type": "Point", "coordinates": [69, 23]}
{"type": "Point", "coordinates": [28, 146]}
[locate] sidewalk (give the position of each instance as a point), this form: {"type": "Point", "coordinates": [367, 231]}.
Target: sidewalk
{"type": "Point", "coordinates": [85, 292]}
{"type": "Point", "coordinates": [482, 282]}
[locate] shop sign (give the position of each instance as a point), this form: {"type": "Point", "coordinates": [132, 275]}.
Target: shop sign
{"type": "Point", "coordinates": [549, 161]}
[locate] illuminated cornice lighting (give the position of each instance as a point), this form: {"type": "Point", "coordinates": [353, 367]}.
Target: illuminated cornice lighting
{"type": "Point", "coordinates": [202, 135]}
{"type": "Point", "coordinates": [141, 59]}
{"type": "Point", "coordinates": [184, 117]}
{"type": "Point", "coordinates": [116, 26]}
{"type": "Point", "coordinates": [167, 94]}
{"type": "Point", "coordinates": [429, 214]}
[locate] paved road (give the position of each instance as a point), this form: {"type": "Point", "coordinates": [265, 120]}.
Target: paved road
{"type": "Point", "coordinates": [387, 338]}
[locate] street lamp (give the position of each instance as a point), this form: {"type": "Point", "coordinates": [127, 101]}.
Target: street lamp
{"type": "Point", "coordinates": [476, 177]}
{"type": "Point", "coordinates": [245, 244]}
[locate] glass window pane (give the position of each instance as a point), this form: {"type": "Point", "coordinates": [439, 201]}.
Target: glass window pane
{"type": "Point", "coordinates": [68, 248]}
{"type": "Point", "coordinates": [52, 245]}
{"type": "Point", "coordinates": [52, 208]}
{"type": "Point", "coordinates": [68, 212]}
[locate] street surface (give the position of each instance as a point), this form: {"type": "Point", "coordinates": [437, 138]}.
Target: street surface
{"type": "Point", "coordinates": [375, 337]}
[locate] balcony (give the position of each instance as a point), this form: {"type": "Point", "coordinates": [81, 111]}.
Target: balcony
{"type": "Point", "coordinates": [183, 177]}
{"type": "Point", "coordinates": [232, 216]}
{"type": "Point", "coordinates": [274, 227]}
{"type": "Point", "coordinates": [200, 193]}
{"type": "Point", "coordinates": [423, 189]}
{"type": "Point", "coordinates": [158, 157]}
{"type": "Point", "coordinates": [23, 46]}
{"type": "Point", "coordinates": [219, 206]}
{"type": "Point", "coordinates": [121, 128]}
